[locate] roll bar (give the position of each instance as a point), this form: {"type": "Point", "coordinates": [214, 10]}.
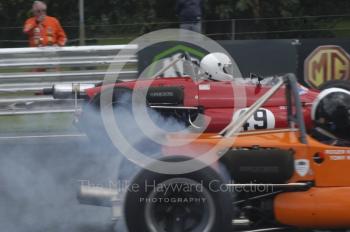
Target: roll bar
{"type": "Point", "coordinates": [292, 97]}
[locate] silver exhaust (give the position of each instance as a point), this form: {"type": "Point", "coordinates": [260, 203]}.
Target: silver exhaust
{"type": "Point", "coordinates": [68, 91]}
{"type": "Point", "coordinates": [98, 196]}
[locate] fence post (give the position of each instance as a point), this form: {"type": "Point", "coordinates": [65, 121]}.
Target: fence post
{"type": "Point", "coordinates": [81, 23]}
{"type": "Point", "coordinates": [233, 29]}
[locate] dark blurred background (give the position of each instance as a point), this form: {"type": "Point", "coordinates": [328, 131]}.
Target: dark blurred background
{"type": "Point", "coordinates": [119, 21]}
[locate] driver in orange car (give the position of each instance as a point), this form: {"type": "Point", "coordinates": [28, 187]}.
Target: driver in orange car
{"type": "Point", "coordinates": [44, 30]}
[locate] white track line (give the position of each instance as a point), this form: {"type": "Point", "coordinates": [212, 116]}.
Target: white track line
{"type": "Point", "coordinates": [42, 136]}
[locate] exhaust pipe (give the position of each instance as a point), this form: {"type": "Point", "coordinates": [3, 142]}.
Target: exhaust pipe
{"type": "Point", "coordinates": [68, 91]}
{"type": "Point", "coordinates": [98, 196]}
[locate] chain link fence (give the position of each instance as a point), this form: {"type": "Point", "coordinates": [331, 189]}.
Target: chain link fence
{"type": "Point", "coordinates": [322, 26]}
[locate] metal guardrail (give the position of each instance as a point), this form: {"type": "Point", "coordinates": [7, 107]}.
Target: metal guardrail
{"type": "Point", "coordinates": [73, 49]}
{"type": "Point", "coordinates": [24, 71]}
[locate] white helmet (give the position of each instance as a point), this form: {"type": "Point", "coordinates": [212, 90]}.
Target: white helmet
{"type": "Point", "coordinates": [217, 66]}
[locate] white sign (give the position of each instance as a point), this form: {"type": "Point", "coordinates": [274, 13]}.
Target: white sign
{"type": "Point", "coordinates": [302, 166]}
{"type": "Point", "coordinates": [262, 119]}
{"type": "Point", "coordinates": [204, 87]}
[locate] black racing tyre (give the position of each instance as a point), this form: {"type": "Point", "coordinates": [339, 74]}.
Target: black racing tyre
{"type": "Point", "coordinates": [90, 121]}
{"type": "Point", "coordinates": [342, 84]}
{"type": "Point", "coordinates": [192, 202]}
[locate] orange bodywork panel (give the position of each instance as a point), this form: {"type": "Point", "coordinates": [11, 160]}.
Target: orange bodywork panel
{"type": "Point", "coordinates": [214, 144]}
{"type": "Point", "coordinates": [334, 171]}
{"type": "Point", "coordinates": [315, 208]}
{"type": "Point", "coordinates": [326, 205]}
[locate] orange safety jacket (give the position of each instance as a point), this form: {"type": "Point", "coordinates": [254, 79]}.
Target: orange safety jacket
{"type": "Point", "coordinates": [49, 32]}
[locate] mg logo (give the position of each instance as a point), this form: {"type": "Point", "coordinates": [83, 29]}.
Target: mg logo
{"type": "Point", "coordinates": [326, 63]}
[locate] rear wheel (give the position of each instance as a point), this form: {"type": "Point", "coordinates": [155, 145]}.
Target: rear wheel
{"type": "Point", "coordinates": [90, 121]}
{"type": "Point", "coordinates": [92, 125]}
{"type": "Point", "coordinates": [186, 202]}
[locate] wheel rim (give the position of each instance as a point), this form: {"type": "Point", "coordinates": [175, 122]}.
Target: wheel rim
{"type": "Point", "coordinates": [173, 209]}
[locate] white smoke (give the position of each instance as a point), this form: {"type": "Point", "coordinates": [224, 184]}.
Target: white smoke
{"type": "Point", "coordinates": [39, 183]}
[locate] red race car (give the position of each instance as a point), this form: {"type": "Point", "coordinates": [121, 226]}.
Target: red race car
{"type": "Point", "coordinates": [210, 91]}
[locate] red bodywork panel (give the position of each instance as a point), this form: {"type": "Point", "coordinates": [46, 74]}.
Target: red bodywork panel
{"type": "Point", "coordinates": [219, 102]}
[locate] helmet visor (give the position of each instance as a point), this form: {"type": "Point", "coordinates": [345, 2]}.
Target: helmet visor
{"type": "Point", "coordinates": [228, 69]}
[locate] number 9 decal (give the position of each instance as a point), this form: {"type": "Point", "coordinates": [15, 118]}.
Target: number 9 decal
{"type": "Point", "coordinates": [262, 119]}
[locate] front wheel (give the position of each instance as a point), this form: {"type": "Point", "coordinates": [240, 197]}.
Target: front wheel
{"type": "Point", "coordinates": [186, 202]}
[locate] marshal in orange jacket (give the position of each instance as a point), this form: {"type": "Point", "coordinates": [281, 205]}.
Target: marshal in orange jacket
{"type": "Point", "coordinates": [49, 32]}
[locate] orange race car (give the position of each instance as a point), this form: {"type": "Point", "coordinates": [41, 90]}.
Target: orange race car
{"type": "Point", "coordinates": [263, 179]}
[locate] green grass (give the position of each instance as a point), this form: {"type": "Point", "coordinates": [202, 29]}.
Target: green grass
{"type": "Point", "coordinates": [59, 122]}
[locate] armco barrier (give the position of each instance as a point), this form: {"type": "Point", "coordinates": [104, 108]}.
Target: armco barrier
{"type": "Point", "coordinates": [24, 71]}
